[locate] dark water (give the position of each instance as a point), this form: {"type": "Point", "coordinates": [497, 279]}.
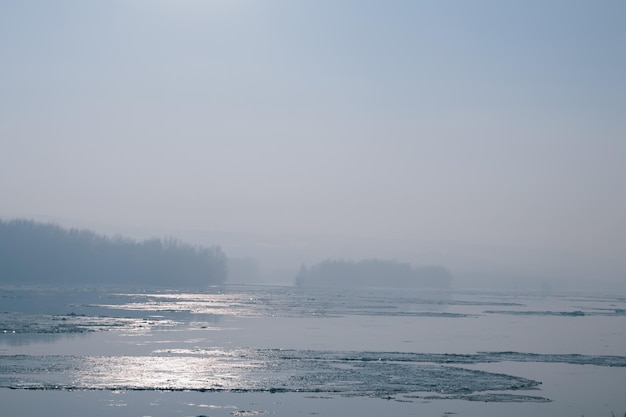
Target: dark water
{"type": "Point", "coordinates": [321, 352]}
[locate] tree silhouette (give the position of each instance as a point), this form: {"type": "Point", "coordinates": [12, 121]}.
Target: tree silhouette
{"type": "Point", "coordinates": [36, 253]}
{"type": "Point", "coordinates": [373, 273]}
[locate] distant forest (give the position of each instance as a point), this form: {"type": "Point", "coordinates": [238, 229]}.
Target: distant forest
{"type": "Point", "coordinates": [36, 253]}
{"type": "Point", "coordinates": [373, 273]}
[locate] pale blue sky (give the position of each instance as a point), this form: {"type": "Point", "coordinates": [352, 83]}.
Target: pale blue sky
{"type": "Point", "coordinates": [492, 122]}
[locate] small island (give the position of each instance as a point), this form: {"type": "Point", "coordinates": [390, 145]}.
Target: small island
{"type": "Point", "coordinates": [372, 273]}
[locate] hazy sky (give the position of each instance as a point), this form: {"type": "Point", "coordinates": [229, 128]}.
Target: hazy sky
{"type": "Point", "coordinates": [492, 122]}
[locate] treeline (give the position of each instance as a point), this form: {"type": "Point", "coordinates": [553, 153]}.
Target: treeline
{"type": "Point", "coordinates": [36, 253]}
{"type": "Point", "coordinates": [373, 273]}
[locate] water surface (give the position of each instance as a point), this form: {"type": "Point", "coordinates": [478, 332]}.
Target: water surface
{"type": "Point", "coordinates": [324, 352]}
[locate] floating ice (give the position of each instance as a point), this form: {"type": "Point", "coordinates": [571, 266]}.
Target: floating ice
{"type": "Point", "coordinates": [72, 323]}
{"type": "Point", "coordinates": [374, 374]}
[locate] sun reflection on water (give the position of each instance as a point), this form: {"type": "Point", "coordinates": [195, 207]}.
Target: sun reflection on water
{"type": "Point", "coordinates": [219, 304]}
{"type": "Point", "coordinates": [222, 371]}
